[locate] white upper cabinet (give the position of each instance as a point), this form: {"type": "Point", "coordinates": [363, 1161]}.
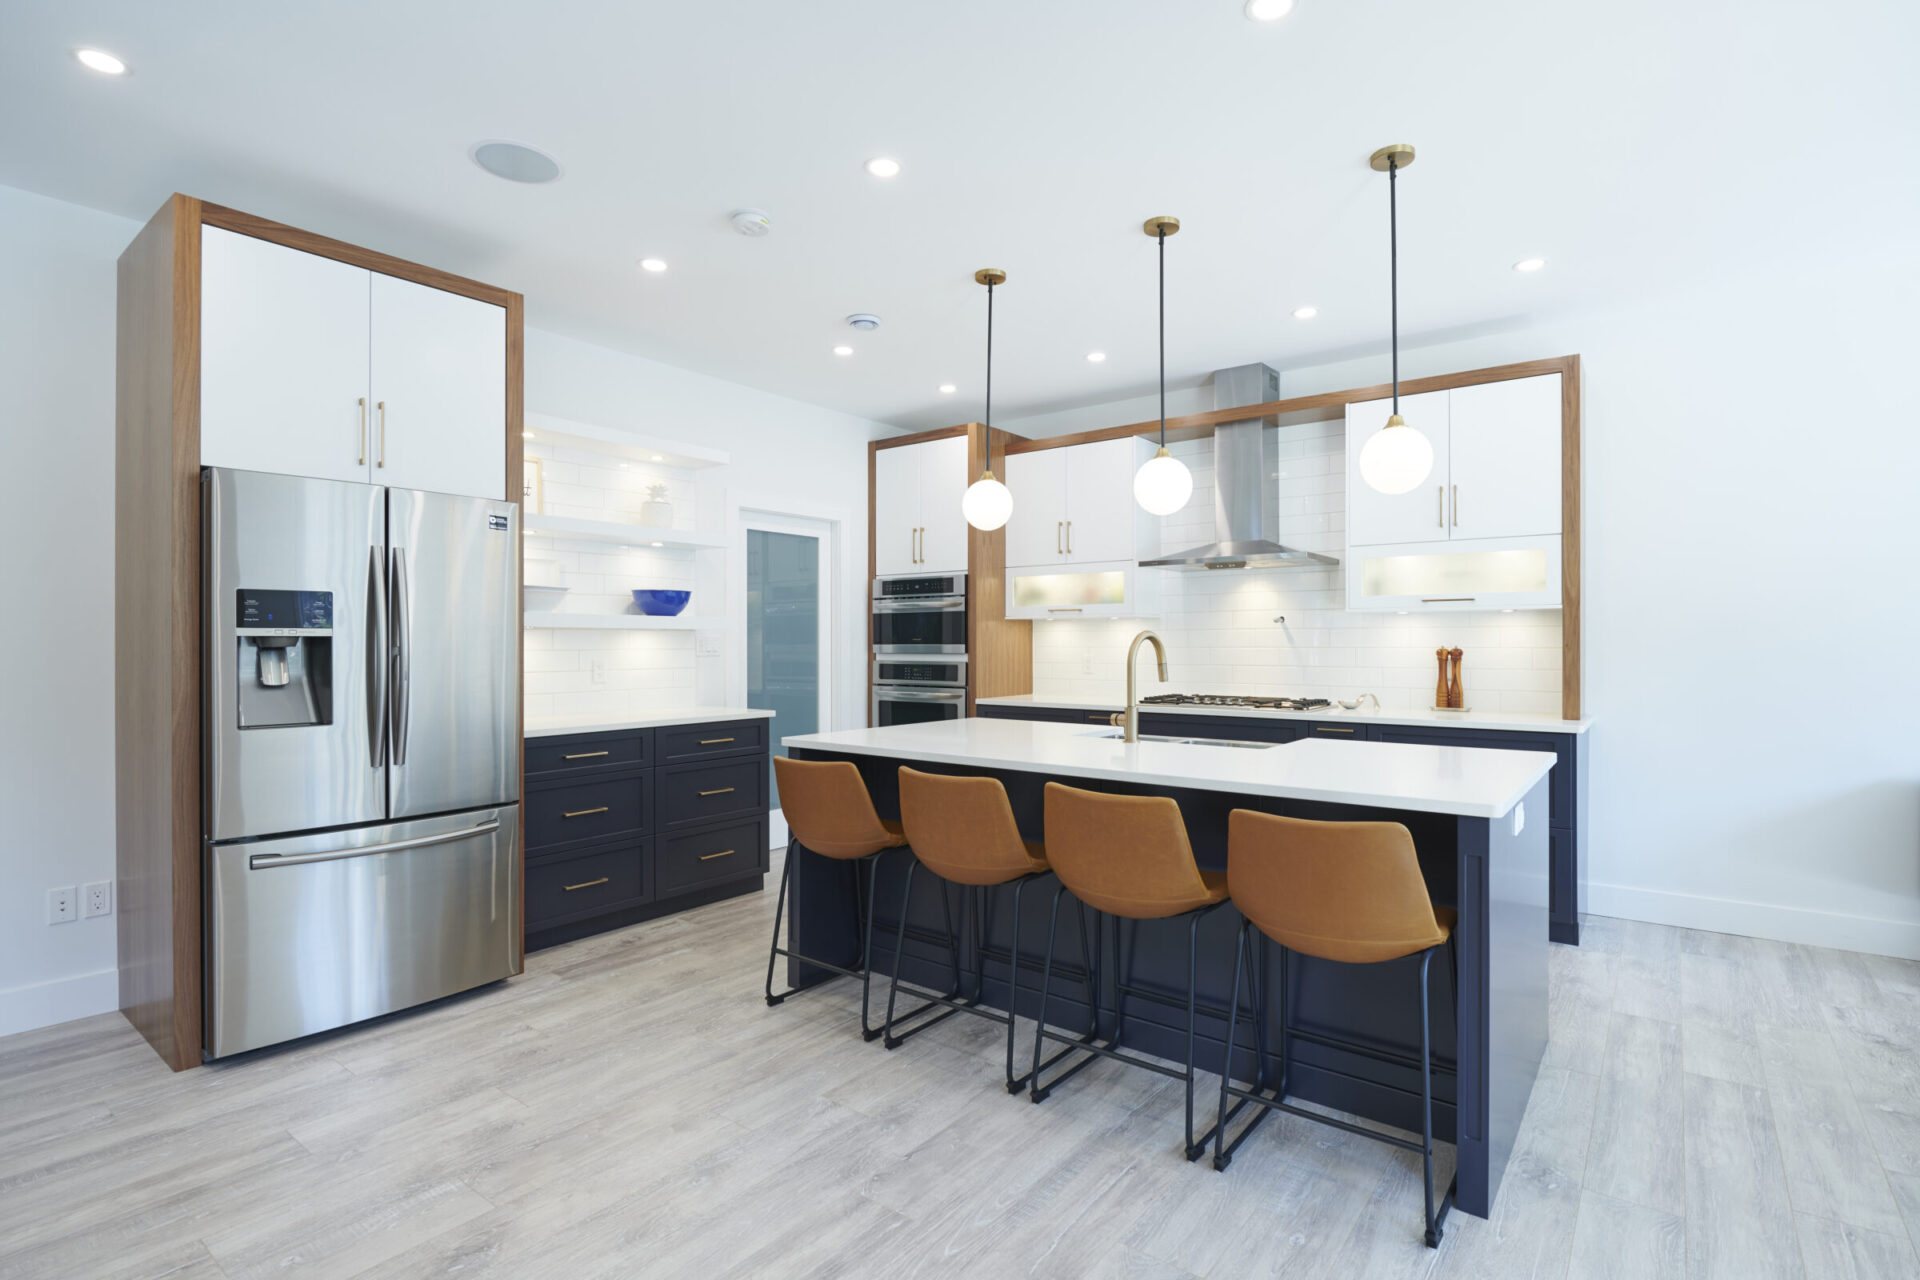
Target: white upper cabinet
{"type": "Point", "coordinates": [917, 524]}
{"type": "Point", "coordinates": [1076, 534]}
{"type": "Point", "coordinates": [1419, 515]}
{"type": "Point", "coordinates": [439, 379]}
{"type": "Point", "coordinates": [314, 367]}
{"type": "Point", "coordinates": [283, 359]}
{"type": "Point", "coordinates": [1037, 529]}
{"type": "Point", "coordinates": [1506, 459]}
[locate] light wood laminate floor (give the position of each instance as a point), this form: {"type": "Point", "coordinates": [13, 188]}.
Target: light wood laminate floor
{"type": "Point", "coordinates": [1711, 1106]}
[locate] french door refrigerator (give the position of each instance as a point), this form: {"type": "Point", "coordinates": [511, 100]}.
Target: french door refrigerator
{"type": "Point", "coordinates": [362, 689]}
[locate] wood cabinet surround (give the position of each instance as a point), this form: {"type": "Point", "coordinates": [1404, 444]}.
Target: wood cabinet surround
{"type": "Point", "coordinates": [157, 576]}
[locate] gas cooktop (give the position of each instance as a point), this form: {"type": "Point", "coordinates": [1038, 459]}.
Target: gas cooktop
{"type": "Point", "coordinates": [1234, 700]}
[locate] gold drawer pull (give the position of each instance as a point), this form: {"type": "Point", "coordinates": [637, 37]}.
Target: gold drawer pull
{"type": "Point", "coordinates": [708, 857]}
{"type": "Point", "coordinates": [588, 885]}
{"type": "Point", "coordinates": [1101, 719]}
{"type": "Point", "coordinates": [1325, 728]}
{"type": "Point", "coordinates": [720, 791]}
{"type": "Point", "coordinates": [581, 813]}
{"type": "Point", "coordinates": [713, 742]}
{"type": "Point", "coordinates": [583, 755]}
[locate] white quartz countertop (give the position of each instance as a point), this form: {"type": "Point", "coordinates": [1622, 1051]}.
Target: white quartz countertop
{"type": "Point", "coordinates": [1500, 721]}
{"type": "Point", "coordinates": [540, 728]}
{"type": "Point", "coordinates": [1473, 782]}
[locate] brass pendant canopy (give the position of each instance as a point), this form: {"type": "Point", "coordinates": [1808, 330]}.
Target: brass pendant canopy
{"type": "Point", "coordinates": [1162, 224]}
{"type": "Point", "coordinates": [1399, 154]}
{"type": "Point", "coordinates": [989, 275]}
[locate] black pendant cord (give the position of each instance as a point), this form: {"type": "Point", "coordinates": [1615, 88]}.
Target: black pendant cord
{"type": "Point", "coordinates": [987, 462]}
{"type": "Point", "coordinates": [1393, 257]}
{"type": "Point", "coordinates": [1163, 337]}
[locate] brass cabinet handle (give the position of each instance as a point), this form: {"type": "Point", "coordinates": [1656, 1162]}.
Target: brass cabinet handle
{"type": "Point", "coordinates": [1327, 728]}
{"type": "Point", "coordinates": [1101, 719]}
{"type": "Point", "coordinates": [382, 407]}
{"type": "Point", "coordinates": [363, 432]}
{"type": "Point", "coordinates": [1440, 514]}
{"type": "Point", "coordinates": [1065, 608]}
{"type": "Point", "coordinates": [583, 755]}
{"type": "Point", "coordinates": [585, 885]}
{"type": "Point", "coordinates": [709, 857]}
{"type": "Point", "coordinates": [1069, 537]}
{"type": "Point", "coordinates": [712, 742]}
{"type": "Point", "coordinates": [581, 813]}
{"type": "Point", "coordinates": [717, 792]}
{"type": "Point", "coordinates": [1058, 526]}
{"type": "Point", "coordinates": [1456, 506]}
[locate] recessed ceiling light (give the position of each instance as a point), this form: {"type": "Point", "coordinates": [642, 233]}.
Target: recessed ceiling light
{"type": "Point", "coordinates": [514, 162]}
{"type": "Point", "coordinates": [657, 458]}
{"type": "Point", "coordinates": [1268, 10]}
{"type": "Point", "coordinates": [99, 60]}
{"type": "Point", "coordinates": [947, 388]}
{"type": "Point", "coordinates": [1305, 313]}
{"type": "Point", "coordinates": [1529, 264]}
{"type": "Point", "coordinates": [653, 264]}
{"type": "Point", "coordinates": [883, 167]}
{"type": "Point", "coordinates": [843, 351]}
{"type": "Point", "coordinates": [1095, 357]}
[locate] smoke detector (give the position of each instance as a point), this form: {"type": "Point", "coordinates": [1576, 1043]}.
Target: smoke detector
{"type": "Point", "coordinates": [752, 222]}
{"type": "Point", "coordinates": [864, 322]}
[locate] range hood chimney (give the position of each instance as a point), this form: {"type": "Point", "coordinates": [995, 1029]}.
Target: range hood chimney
{"type": "Point", "coordinates": [1245, 487]}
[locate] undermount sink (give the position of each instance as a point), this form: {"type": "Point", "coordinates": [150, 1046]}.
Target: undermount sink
{"type": "Point", "coordinates": [1185, 742]}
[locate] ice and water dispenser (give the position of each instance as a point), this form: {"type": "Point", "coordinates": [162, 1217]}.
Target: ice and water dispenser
{"type": "Point", "coordinates": [283, 659]}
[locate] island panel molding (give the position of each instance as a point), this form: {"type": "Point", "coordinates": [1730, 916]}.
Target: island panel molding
{"type": "Point", "coordinates": [158, 751]}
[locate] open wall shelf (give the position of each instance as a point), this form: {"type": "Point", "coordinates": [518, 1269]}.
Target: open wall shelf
{"type": "Point", "coordinates": [617, 622]}
{"type": "Point", "coordinates": [628, 535]}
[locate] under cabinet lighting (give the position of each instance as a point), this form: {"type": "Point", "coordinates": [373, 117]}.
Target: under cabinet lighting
{"type": "Point", "coordinates": [100, 60]}
{"type": "Point", "coordinates": [526, 435]}
{"type": "Point", "coordinates": [656, 544]}
{"type": "Point", "coordinates": [657, 458]}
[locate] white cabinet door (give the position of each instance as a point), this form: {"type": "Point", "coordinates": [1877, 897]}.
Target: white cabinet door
{"type": "Point", "coordinates": [943, 483]}
{"type": "Point", "coordinates": [1506, 459]}
{"type": "Point", "coordinates": [1419, 515]}
{"type": "Point", "coordinates": [283, 360]}
{"type": "Point", "coordinates": [1036, 532]}
{"type": "Point", "coordinates": [896, 510]}
{"type": "Point", "coordinates": [1100, 506]}
{"type": "Point", "coordinates": [439, 378]}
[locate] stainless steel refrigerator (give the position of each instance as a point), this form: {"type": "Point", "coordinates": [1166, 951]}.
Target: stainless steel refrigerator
{"type": "Point", "coordinates": [362, 689]}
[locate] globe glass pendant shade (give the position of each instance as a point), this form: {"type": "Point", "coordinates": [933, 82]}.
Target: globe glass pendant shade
{"type": "Point", "coordinates": [1396, 458]}
{"type": "Point", "coordinates": [987, 503]}
{"type": "Point", "coordinates": [1163, 485]}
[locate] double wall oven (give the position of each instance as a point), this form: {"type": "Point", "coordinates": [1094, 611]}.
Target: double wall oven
{"type": "Point", "coordinates": [919, 648]}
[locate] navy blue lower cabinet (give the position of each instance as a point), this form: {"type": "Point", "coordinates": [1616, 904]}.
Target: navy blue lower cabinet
{"type": "Point", "coordinates": [615, 834]}
{"type": "Point", "coordinates": [1055, 715]}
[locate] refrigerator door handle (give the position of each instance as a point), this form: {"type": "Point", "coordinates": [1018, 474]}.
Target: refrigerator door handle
{"type": "Point", "coordinates": [376, 659]}
{"type": "Point", "coordinates": [401, 683]}
{"type": "Point", "coordinates": [264, 861]}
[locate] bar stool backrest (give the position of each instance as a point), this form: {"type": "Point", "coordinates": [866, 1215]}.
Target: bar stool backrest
{"type": "Point", "coordinates": [1125, 855]}
{"type": "Point", "coordinates": [1349, 891]}
{"type": "Point", "coordinates": [963, 828]}
{"type": "Point", "coordinates": [828, 809]}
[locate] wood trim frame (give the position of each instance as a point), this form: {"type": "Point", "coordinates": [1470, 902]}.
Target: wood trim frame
{"type": "Point", "coordinates": [1331, 404]}
{"type": "Point", "coordinates": [999, 649]}
{"type": "Point", "coordinates": [158, 750]}
{"type": "Point", "coordinates": [873, 545]}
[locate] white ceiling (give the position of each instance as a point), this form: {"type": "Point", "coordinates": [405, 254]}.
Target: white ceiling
{"type": "Point", "coordinates": [1636, 145]}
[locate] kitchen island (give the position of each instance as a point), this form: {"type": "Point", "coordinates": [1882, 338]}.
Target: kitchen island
{"type": "Point", "coordinates": [1478, 821]}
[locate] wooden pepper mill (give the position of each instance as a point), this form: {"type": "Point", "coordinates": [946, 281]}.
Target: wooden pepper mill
{"type": "Point", "coordinates": [1456, 696]}
{"type": "Point", "coordinates": [1441, 690]}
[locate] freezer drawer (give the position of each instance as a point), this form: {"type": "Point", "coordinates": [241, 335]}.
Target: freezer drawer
{"type": "Point", "coordinates": [318, 931]}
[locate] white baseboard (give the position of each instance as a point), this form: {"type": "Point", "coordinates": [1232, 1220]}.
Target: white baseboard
{"type": "Point", "coordinates": [62, 1000]}
{"type": "Point", "coordinates": [1755, 919]}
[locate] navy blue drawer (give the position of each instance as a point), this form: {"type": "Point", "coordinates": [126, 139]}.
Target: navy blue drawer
{"type": "Point", "coordinates": [1242, 728]}
{"type": "Point", "coordinates": [694, 793]}
{"type": "Point", "coordinates": [565, 812]}
{"type": "Point", "coordinates": [1053, 715]}
{"type": "Point", "coordinates": [586, 883]}
{"type": "Point", "coordinates": [709, 741]}
{"type": "Point", "coordinates": [589, 751]}
{"type": "Point", "coordinates": [696, 859]}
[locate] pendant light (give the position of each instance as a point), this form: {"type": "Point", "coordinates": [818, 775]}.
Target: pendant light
{"type": "Point", "coordinates": [1397, 457]}
{"type": "Point", "coordinates": [1164, 484]}
{"type": "Point", "coordinates": [987, 503]}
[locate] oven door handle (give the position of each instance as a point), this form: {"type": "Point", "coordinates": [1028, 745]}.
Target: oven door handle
{"type": "Point", "coordinates": [895, 604]}
{"type": "Point", "coordinates": [894, 693]}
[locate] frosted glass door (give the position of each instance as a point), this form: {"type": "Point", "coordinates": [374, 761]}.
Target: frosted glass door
{"type": "Point", "coordinates": [783, 634]}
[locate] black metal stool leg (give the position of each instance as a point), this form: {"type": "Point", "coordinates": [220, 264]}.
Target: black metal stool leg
{"type": "Point", "coordinates": [1226, 1066]}
{"type": "Point", "coordinates": [1193, 961]}
{"type": "Point", "coordinates": [779, 911]}
{"type": "Point", "coordinates": [1046, 986]}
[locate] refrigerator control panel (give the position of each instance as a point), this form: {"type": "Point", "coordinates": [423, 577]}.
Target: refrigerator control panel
{"type": "Point", "coordinates": [283, 612]}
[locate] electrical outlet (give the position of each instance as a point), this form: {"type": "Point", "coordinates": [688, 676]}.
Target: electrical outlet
{"type": "Point", "coordinates": [96, 899]}
{"type": "Point", "coordinates": [597, 671]}
{"type": "Point", "coordinates": [707, 644]}
{"type": "Point", "coordinates": [61, 905]}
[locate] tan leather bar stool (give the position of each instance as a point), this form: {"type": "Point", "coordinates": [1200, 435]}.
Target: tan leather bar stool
{"type": "Point", "coordinates": [963, 832]}
{"type": "Point", "coordinates": [1345, 891]}
{"type": "Point", "coordinates": [829, 811]}
{"type": "Point", "coordinates": [1127, 857]}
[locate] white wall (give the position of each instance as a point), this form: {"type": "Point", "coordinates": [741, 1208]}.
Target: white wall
{"type": "Point", "coordinates": [1752, 599]}
{"type": "Point", "coordinates": [56, 626]}
{"type": "Point", "coordinates": [57, 276]}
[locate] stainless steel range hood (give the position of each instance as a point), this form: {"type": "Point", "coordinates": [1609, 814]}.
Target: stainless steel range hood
{"type": "Point", "coordinates": [1246, 495]}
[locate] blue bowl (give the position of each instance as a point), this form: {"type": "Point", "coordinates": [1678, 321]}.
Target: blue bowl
{"type": "Point", "coordinates": [662, 604]}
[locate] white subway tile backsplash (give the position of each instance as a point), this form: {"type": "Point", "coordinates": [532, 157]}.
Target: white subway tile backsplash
{"type": "Point", "coordinates": [1220, 630]}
